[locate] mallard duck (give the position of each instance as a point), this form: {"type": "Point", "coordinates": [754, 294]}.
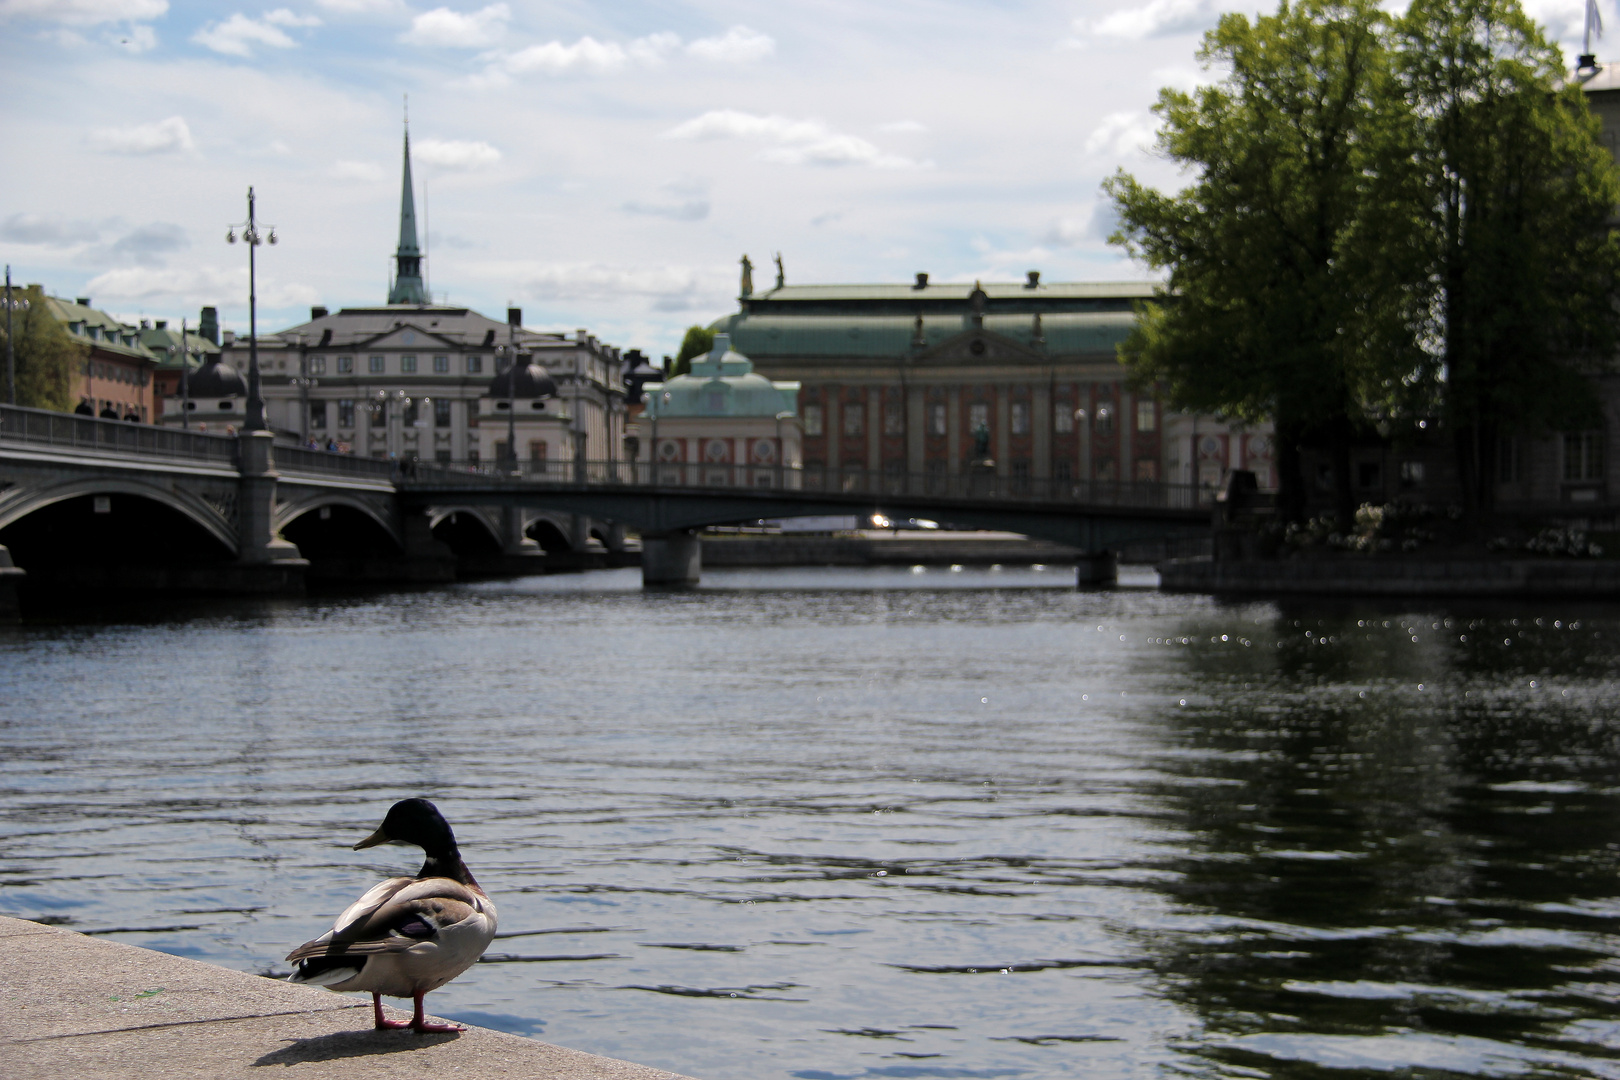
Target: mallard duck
{"type": "Point", "coordinates": [405, 936]}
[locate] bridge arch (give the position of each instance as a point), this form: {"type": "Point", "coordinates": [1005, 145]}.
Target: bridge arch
{"type": "Point", "coordinates": [550, 531]}
{"type": "Point", "coordinates": [465, 530]}
{"type": "Point", "coordinates": [21, 502]}
{"type": "Point", "coordinates": [332, 529]}
{"type": "Point", "coordinates": [293, 509]}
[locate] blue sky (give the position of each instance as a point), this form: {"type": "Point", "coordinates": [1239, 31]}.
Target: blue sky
{"type": "Point", "coordinates": [601, 165]}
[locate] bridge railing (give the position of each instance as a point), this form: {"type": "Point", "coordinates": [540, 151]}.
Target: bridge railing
{"type": "Point", "coordinates": [70, 431]}
{"type": "Point", "coordinates": [709, 476]}
{"type": "Point", "coordinates": [293, 459]}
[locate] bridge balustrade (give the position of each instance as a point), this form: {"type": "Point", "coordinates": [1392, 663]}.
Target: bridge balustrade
{"type": "Point", "coordinates": [698, 476]}
{"type": "Point", "coordinates": [293, 459]}
{"type": "Point", "coordinates": [71, 431]}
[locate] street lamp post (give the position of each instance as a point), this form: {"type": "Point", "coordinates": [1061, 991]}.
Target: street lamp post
{"type": "Point", "coordinates": [250, 235]}
{"type": "Point", "coordinates": [185, 376]}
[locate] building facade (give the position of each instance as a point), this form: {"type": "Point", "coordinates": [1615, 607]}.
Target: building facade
{"type": "Point", "coordinates": [404, 379]}
{"type": "Point", "coordinates": [722, 424]}
{"type": "Point", "coordinates": [114, 381]}
{"type": "Point", "coordinates": [929, 378]}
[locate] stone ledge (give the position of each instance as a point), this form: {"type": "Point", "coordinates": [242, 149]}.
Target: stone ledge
{"type": "Point", "coordinates": [73, 1006]}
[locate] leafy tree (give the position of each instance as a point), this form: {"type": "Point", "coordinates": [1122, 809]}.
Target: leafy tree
{"type": "Point", "coordinates": [698, 340]}
{"type": "Point", "coordinates": [1517, 299]}
{"type": "Point", "coordinates": [1269, 311]}
{"type": "Point", "coordinates": [47, 358]}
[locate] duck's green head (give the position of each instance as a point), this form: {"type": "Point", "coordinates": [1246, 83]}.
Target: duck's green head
{"type": "Point", "coordinates": [413, 821]}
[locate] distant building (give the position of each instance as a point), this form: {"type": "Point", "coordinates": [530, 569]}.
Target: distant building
{"type": "Point", "coordinates": [115, 380]}
{"type": "Point", "coordinates": [899, 378]}
{"type": "Point", "coordinates": [723, 424]}
{"type": "Point", "coordinates": [405, 379]}
{"type": "Point", "coordinates": [175, 347]}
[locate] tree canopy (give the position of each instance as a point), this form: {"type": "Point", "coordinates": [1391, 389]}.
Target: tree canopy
{"type": "Point", "coordinates": [46, 357]}
{"type": "Point", "coordinates": [1389, 220]}
{"type": "Point", "coordinates": [698, 340]}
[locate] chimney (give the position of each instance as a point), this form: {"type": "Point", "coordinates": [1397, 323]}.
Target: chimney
{"type": "Point", "coordinates": [229, 338]}
{"type": "Point", "coordinates": [208, 325]}
{"type": "Point", "coordinates": [922, 281]}
{"type": "Point", "coordinates": [318, 311]}
{"type": "Point", "coordinates": [83, 301]}
{"type": "Point", "coordinates": [1034, 281]}
{"type": "Point", "coordinates": [514, 316]}
{"type": "Point", "coordinates": [146, 324]}
{"type": "Point", "coordinates": [161, 324]}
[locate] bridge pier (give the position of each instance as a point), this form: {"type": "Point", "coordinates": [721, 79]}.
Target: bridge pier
{"type": "Point", "coordinates": [257, 542]}
{"type": "Point", "coordinates": [672, 559]}
{"type": "Point", "coordinates": [1096, 569]}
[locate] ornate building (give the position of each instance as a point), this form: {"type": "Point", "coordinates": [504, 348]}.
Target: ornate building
{"type": "Point", "coordinates": [902, 378]}
{"type": "Point", "coordinates": [404, 379]}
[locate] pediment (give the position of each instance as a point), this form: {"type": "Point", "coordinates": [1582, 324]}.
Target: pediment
{"type": "Point", "coordinates": [408, 337]}
{"type": "Point", "coordinates": [978, 346]}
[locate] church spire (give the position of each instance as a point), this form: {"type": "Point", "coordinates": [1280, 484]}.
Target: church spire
{"type": "Point", "coordinates": [407, 287]}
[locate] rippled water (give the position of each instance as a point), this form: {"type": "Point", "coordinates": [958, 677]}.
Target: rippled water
{"type": "Point", "coordinates": [840, 824]}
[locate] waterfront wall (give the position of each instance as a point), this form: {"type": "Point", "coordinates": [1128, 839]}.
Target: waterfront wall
{"type": "Point", "coordinates": [78, 1006]}
{"type": "Point", "coordinates": [1578, 578]}
{"type": "Point", "coordinates": [890, 550]}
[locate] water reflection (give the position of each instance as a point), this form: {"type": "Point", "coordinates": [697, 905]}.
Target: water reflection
{"type": "Point", "coordinates": [839, 825]}
{"type": "Point", "coordinates": [1400, 836]}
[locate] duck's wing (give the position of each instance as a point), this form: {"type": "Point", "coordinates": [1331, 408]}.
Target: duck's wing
{"type": "Point", "coordinates": [397, 915]}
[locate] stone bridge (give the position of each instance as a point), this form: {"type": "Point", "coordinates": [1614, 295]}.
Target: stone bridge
{"type": "Point", "coordinates": [101, 506]}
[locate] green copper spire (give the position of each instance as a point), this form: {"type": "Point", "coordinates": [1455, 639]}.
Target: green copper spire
{"type": "Point", "coordinates": [408, 288]}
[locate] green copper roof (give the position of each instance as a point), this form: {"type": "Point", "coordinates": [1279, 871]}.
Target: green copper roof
{"type": "Point", "coordinates": [894, 337]}
{"type": "Point", "coordinates": [164, 342]}
{"type": "Point", "coordinates": [87, 325]}
{"type": "Point", "coordinates": [408, 287]}
{"type": "Point", "coordinates": [722, 383]}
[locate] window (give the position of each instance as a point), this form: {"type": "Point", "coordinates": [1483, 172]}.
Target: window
{"type": "Point", "coordinates": [854, 417]}
{"type": "Point", "coordinates": [441, 412]}
{"type": "Point", "coordinates": [537, 451]}
{"type": "Point", "coordinates": [1583, 456]}
{"type": "Point", "coordinates": [407, 365]}
{"type": "Point", "coordinates": [1508, 466]}
{"type": "Point", "coordinates": [978, 416]}
{"type": "Point", "coordinates": [1020, 418]}
{"type": "Point", "coordinates": [317, 365]}
{"type": "Point", "coordinates": [1147, 416]}
{"type": "Point", "coordinates": [442, 456]}
{"type": "Point", "coordinates": [412, 411]}
{"type": "Point", "coordinates": [377, 365]}
{"type": "Point", "coordinates": [317, 414]}
{"type": "Point", "coordinates": [1145, 470]}
{"type": "Point", "coordinates": [475, 365]}
{"type": "Point", "coordinates": [812, 419]}
{"type": "Point", "coordinates": [1411, 474]}
{"type": "Point", "coordinates": [346, 412]}
{"type": "Point", "coordinates": [894, 419]}
{"type": "Point", "coordinates": [345, 365]}
{"type": "Point", "coordinates": [936, 419]}
{"type": "Point", "coordinates": [441, 365]}
{"type": "Point", "coordinates": [1105, 421]}
{"type": "Point", "coordinates": [1063, 471]}
{"type": "Point", "coordinates": [1063, 418]}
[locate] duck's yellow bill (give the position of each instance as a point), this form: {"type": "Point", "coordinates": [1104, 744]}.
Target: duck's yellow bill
{"type": "Point", "coordinates": [378, 837]}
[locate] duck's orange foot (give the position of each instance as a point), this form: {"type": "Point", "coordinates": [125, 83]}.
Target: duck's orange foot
{"type": "Point", "coordinates": [382, 1022]}
{"type": "Point", "coordinates": [421, 1023]}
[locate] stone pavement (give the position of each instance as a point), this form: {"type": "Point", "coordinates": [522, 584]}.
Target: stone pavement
{"type": "Point", "coordinates": [75, 1007]}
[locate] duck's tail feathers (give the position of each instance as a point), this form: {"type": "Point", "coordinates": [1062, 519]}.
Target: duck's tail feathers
{"type": "Point", "coordinates": [318, 973]}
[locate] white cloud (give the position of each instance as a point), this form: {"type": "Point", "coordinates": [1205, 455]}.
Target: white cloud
{"type": "Point", "coordinates": [793, 142]}
{"type": "Point", "coordinates": [357, 170]}
{"type": "Point", "coordinates": [902, 127]}
{"type": "Point", "coordinates": [453, 29]}
{"type": "Point", "coordinates": [162, 137]}
{"type": "Point", "coordinates": [237, 35]}
{"type": "Point", "coordinates": [587, 54]}
{"type": "Point", "coordinates": [1159, 18]}
{"type": "Point", "coordinates": [48, 230]}
{"type": "Point", "coordinates": [669, 288]}
{"type": "Point", "coordinates": [285, 17]}
{"type": "Point", "coordinates": [361, 7]}
{"type": "Point", "coordinates": [454, 154]}
{"type": "Point", "coordinates": [1122, 133]}
{"type": "Point", "coordinates": [739, 45]}
{"type": "Point", "coordinates": [83, 12]}
{"type": "Point", "coordinates": [684, 200]}
{"type": "Point", "coordinates": [192, 286]}
{"type": "Point", "coordinates": [1091, 228]}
